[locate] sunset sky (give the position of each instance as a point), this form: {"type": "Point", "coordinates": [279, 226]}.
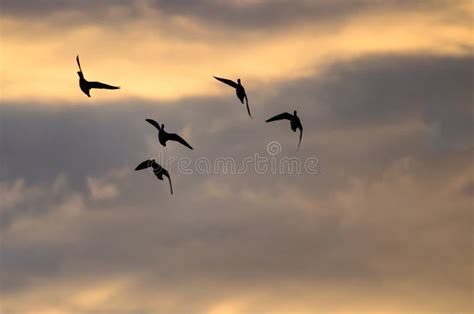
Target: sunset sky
{"type": "Point", "coordinates": [384, 92]}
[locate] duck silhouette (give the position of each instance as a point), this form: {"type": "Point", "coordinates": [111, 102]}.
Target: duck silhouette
{"type": "Point", "coordinates": [295, 122]}
{"type": "Point", "coordinates": [86, 86]}
{"type": "Point", "coordinates": [158, 170]}
{"type": "Point", "coordinates": [164, 136]}
{"type": "Point", "coordinates": [239, 91]}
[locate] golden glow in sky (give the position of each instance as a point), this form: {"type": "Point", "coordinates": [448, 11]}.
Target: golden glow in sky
{"type": "Point", "coordinates": [156, 57]}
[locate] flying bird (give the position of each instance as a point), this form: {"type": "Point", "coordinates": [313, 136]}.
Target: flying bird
{"type": "Point", "coordinates": [86, 86]}
{"type": "Point", "coordinates": [239, 91]}
{"type": "Point", "coordinates": [164, 136]}
{"type": "Point", "coordinates": [295, 122]}
{"type": "Point", "coordinates": [158, 170]}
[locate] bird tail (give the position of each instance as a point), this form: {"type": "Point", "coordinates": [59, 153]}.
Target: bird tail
{"type": "Point", "coordinates": [299, 143]}
{"type": "Point", "coordinates": [248, 108]}
{"type": "Point", "coordinates": [171, 185]}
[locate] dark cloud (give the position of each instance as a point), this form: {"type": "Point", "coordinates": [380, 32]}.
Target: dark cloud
{"type": "Point", "coordinates": [376, 215]}
{"type": "Point", "coordinates": [399, 86]}
{"type": "Point", "coordinates": [43, 8]}
{"type": "Point", "coordinates": [381, 94]}
{"type": "Point", "coordinates": [255, 15]}
{"type": "Point", "coordinates": [251, 15]}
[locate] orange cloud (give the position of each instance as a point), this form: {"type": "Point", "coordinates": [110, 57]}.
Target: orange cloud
{"type": "Point", "coordinates": [175, 57]}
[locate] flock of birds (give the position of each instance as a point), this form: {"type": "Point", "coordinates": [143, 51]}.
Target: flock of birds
{"type": "Point", "coordinates": [164, 136]}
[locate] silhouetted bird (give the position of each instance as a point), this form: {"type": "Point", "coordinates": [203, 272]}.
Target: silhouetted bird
{"type": "Point", "coordinates": [163, 136]}
{"type": "Point", "coordinates": [295, 122]}
{"type": "Point", "coordinates": [86, 86]}
{"type": "Point", "coordinates": [158, 170]}
{"type": "Point", "coordinates": [239, 90]}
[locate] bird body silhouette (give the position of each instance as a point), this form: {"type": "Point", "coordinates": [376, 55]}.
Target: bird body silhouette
{"type": "Point", "coordinates": [239, 91]}
{"type": "Point", "coordinates": [295, 122]}
{"type": "Point", "coordinates": [158, 170]}
{"type": "Point", "coordinates": [86, 86]}
{"type": "Point", "coordinates": [164, 136]}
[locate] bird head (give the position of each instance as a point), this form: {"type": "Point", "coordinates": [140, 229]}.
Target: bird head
{"type": "Point", "coordinates": [238, 81]}
{"type": "Point", "coordinates": [163, 127]}
{"type": "Point", "coordinates": [294, 112]}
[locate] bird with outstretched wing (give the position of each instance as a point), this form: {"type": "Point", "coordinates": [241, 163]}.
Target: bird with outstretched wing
{"type": "Point", "coordinates": [158, 170]}
{"type": "Point", "coordinates": [295, 122]}
{"type": "Point", "coordinates": [239, 90]}
{"type": "Point", "coordinates": [164, 136]}
{"type": "Point", "coordinates": [86, 86]}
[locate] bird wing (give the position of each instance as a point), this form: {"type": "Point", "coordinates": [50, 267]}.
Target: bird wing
{"type": "Point", "coordinates": [281, 116]}
{"type": "Point", "coordinates": [177, 138]}
{"type": "Point", "coordinates": [144, 165]}
{"type": "Point", "coordinates": [169, 180]}
{"type": "Point", "coordinates": [154, 123]}
{"type": "Point", "coordinates": [102, 85]}
{"type": "Point", "coordinates": [301, 135]}
{"type": "Point", "coordinates": [78, 63]}
{"type": "Point", "coordinates": [226, 81]}
{"type": "Point", "coordinates": [247, 103]}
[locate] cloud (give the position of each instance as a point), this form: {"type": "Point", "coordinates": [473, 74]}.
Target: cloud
{"type": "Point", "coordinates": [244, 15]}
{"type": "Point", "coordinates": [258, 254]}
{"type": "Point", "coordinates": [100, 189]}
{"type": "Point", "coordinates": [170, 50]}
{"type": "Point", "coordinates": [386, 212]}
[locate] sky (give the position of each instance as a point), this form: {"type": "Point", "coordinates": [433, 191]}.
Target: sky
{"type": "Point", "coordinates": [378, 220]}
